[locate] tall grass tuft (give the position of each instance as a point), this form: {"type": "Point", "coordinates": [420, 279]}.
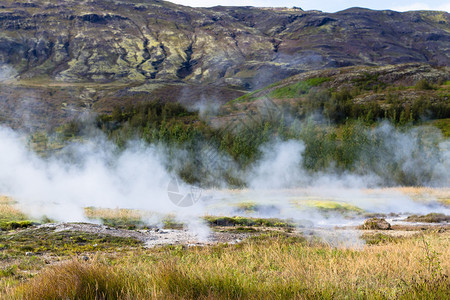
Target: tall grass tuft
{"type": "Point", "coordinates": [75, 280]}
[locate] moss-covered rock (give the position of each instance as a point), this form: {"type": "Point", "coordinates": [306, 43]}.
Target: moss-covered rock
{"type": "Point", "coordinates": [376, 224]}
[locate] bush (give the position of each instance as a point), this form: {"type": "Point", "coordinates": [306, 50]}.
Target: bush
{"type": "Point", "coordinates": [424, 85]}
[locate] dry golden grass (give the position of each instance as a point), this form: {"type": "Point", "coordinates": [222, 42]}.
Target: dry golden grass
{"type": "Point", "coordinates": [120, 217]}
{"type": "Point", "coordinates": [273, 267]}
{"type": "Point", "coordinates": [440, 194]}
{"type": "Point", "coordinates": [6, 200]}
{"type": "Point", "coordinates": [113, 213]}
{"type": "Point", "coordinates": [435, 192]}
{"type": "Point", "coordinates": [418, 193]}
{"type": "Point", "coordinates": [9, 211]}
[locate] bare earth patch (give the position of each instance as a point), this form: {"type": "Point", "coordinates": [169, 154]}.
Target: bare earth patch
{"type": "Point", "coordinates": [151, 237]}
{"type": "Point", "coordinates": [233, 234]}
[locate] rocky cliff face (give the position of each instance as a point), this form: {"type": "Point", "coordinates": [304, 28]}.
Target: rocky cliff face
{"type": "Point", "coordinates": [154, 41]}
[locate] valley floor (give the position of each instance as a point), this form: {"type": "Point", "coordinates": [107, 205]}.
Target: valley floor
{"type": "Point", "coordinates": [245, 258]}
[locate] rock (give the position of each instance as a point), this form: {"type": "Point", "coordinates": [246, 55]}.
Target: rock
{"type": "Point", "coordinates": [376, 224]}
{"type": "Point", "coordinates": [29, 253]}
{"type": "Point", "coordinates": [429, 218]}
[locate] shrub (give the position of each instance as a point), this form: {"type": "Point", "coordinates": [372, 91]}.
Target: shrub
{"type": "Point", "coordinates": [423, 84]}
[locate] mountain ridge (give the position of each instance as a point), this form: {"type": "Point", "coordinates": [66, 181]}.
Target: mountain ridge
{"type": "Point", "coordinates": [238, 47]}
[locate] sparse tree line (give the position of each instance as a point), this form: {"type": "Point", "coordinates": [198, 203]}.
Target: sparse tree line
{"type": "Point", "coordinates": [339, 106]}
{"type": "Point", "coordinates": [351, 145]}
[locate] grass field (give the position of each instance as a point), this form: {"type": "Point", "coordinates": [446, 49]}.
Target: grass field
{"type": "Point", "coordinates": [275, 263]}
{"type": "Point", "coordinates": [271, 266]}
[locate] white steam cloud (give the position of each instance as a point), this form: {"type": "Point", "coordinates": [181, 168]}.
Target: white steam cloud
{"type": "Point", "coordinates": [6, 72]}
{"type": "Point", "coordinates": [96, 173]}
{"type": "Point", "coordinates": [421, 153]}
{"type": "Point", "coordinates": [280, 167]}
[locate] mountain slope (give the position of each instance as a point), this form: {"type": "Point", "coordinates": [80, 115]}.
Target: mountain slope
{"type": "Point", "coordinates": [399, 93]}
{"type": "Point", "coordinates": [245, 47]}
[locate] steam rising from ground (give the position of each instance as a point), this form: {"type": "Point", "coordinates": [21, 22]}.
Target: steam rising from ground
{"type": "Point", "coordinates": [96, 173]}
{"type": "Point", "coordinates": [90, 174]}
{"type": "Point", "coordinates": [421, 153]}
{"type": "Point", "coordinates": [6, 72]}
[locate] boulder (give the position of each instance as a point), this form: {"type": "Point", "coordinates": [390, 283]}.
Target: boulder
{"type": "Point", "coordinates": [376, 224]}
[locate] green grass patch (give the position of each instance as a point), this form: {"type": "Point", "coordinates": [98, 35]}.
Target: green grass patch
{"type": "Point", "coordinates": [443, 125]}
{"type": "Point", "coordinates": [45, 240]}
{"type": "Point", "coordinates": [123, 223]}
{"type": "Point", "coordinates": [243, 221]}
{"type": "Point", "coordinates": [369, 82]}
{"type": "Point", "coordinates": [8, 271]}
{"type": "Point", "coordinates": [241, 230]}
{"type": "Point", "coordinates": [317, 81]}
{"type": "Point", "coordinates": [297, 89]}
{"type": "Point", "coordinates": [12, 225]}
{"type": "Point", "coordinates": [330, 206]}
{"type": "Point", "coordinates": [247, 206]}
{"type": "Point", "coordinates": [246, 98]}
